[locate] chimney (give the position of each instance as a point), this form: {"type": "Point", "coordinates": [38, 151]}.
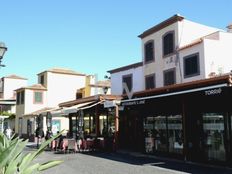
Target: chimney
{"type": "Point", "coordinates": [229, 28]}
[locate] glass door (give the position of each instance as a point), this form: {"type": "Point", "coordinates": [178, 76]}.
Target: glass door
{"type": "Point", "coordinates": [175, 134]}
{"type": "Point", "coordinates": [149, 134]}
{"type": "Point", "coordinates": [213, 136]}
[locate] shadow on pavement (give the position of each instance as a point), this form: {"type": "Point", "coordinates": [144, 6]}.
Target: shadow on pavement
{"type": "Point", "coordinates": [178, 166]}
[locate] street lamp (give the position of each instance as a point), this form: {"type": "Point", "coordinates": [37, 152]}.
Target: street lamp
{"type": "Point", "coordinates": [105, 89]}
{"type": "Point", "coordinates": [3, 49]}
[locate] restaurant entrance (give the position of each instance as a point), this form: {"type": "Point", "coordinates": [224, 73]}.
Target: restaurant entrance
{"type": "Point", "coordinates": [131, 130]}
{"type": "Point", "coordinates": [208, 129]}
{"type": "Point", "coordinates": [206, 137]}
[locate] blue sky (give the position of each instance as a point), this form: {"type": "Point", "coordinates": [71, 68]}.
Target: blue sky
{"type": "Point", "coordinates": [89, 36]}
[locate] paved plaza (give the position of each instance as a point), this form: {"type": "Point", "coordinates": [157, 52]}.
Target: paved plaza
{"type": "Point", "coordinates": [121, 163]}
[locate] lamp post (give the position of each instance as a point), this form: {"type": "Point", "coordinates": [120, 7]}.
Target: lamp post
{"type": "Point", "coordinates": [3, 49]}
{"type": "Point", "coordinates": [105, 89]}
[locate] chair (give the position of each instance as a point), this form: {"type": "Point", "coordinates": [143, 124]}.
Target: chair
{"type": "Point", "coordinates": [72, 146]}
{"type": "Point", "coordinates": [84, 145]}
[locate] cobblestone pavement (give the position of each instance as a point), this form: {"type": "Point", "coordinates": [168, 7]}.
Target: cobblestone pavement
{"type": "Point", "coordinates": [121, 163]}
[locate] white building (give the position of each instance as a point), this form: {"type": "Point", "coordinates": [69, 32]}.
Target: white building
{"type": "Point", "coordinates": [8, 84]}
{"type": "Point", "coordinates": [176, 51]}
{"type": "Point", "coordinates": [61, 84]}
{"type": "Point", "coordinates": [54, 86]}
{"type": "Point", "coordinates": [8, 96]}
{"type": "Point", "coordinates": [29, 99]}
{"type": "Point", "coordinates": [35, 103]}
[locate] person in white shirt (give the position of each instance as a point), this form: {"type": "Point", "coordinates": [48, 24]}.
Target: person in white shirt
{"type": "Point", "coordinates": [8, 132]}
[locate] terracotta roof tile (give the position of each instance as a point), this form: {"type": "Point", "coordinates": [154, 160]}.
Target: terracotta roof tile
{"type": "Point", "coordinates": [33, 87]}
{"type": "Point", "coordinates": [13, 76]}
{"type": "Point", "coordinates": [161, 25]}
{"type": "Point", "coordinates": [127, 67]}
{"type": "Point", "coordinates": [63, 71]}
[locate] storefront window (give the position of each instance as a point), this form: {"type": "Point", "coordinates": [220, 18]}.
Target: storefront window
{"type": "Point", "coordinates": [92, 124]}
{"type": "Point", "coordinates": [102, 123]}
{"type": "Point", "coordinates": [74, 127]}
{"type": "Point", "coordinates": [160, 133]}
{"type": "Point", "coordinates": [86, 125]}
{"type": "Point", "coordinates": [56, 126]}
{"type": "Point", "coordinates": [175, 133]}
{"type": "Point", "coordinates": [164, 134]}
{"type": "Point", "coordinates": [111, 122]}
{"type": "Point", "coordinates": [213, 129]}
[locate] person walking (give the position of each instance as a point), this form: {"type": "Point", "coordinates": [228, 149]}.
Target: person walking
{"type": "Point", "coordinates": [39, 133]}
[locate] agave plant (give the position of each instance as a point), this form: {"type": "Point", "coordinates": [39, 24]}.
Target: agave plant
{"type": "Point", "coordinates": [13, 160]}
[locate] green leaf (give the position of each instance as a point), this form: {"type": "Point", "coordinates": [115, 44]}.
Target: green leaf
{"type": "Point", "coordinates": [31, 169]}
{"type": "Point", "coordinates": [12, 167]}
{"type": "Point", "coordinates": [19, 149]}
{"type": "Point", "coordinates": [25, 162]}
{"type": "Point", "coordinates": [6, 154]}
{"type": "Point", "coordinates": [49, 164]}
{"type": "Point", "coordinates": [13, 160]}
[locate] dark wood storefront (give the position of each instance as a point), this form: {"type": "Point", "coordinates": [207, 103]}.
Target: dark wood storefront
{"type": "Point", "coordinates": [191, 121]}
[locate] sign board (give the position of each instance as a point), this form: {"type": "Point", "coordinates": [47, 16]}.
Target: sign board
{"type": "Point", "coordinates": [109, 104]}
{"type": "Point", "coordinates": [131, 103]}
{"type": "Point", "coordinates": [121, 108]}
{"type": "Point", "coordinates": [216, 91]}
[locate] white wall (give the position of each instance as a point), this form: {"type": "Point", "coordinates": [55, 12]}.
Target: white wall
{"type": "Point", "coordinates": [137, 79]}
{"type": "Point", "coordinates": [218, 53]}
{"type": "Point", "coordinates": [158, 40]}
{"type": "Point", "coordinates": [62, 87]}
{"type": "Point", "coordinates": [161, 63]}
{"type": "Point", "coordinates": [10, 85]}
{"type": "Point", "coordinates": [99, 90]}
{"type": "Point", "coordinates": [19, 113]}
{"type": "Point", "coordinates": [190, 31]}
{"type": "Point", "coordinates": [30, 106]}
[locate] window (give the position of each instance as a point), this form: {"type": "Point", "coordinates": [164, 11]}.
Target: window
{"type": "Point", "coordinates": [38, 97]}
{"type": "Point", "coordinates": [214, 134]}
{"type": "Point", "coordinates": [149, 51]}
{"type": "Point", "coordinates": [41, 80]}
{"type": "Point", "coordinates": [168, 43]}
{"type": "Point", "coordinates": [169, 77]}
{"type": "Point", "coordinates": [20, 97]}
{"type": "Point", "coordinates": [163, 133]}
{"type": "Point", "coordinates": [191, 65]}
{"type": "Point", "coordinates": [127, 79]}
{"type": "Point", "coordinates": [78, 95]}
{"type": "Point", "coordinates": [150, 81]}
